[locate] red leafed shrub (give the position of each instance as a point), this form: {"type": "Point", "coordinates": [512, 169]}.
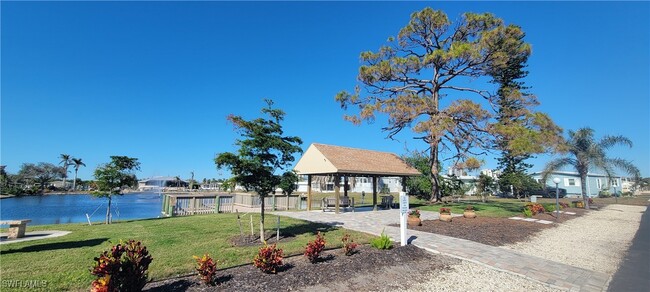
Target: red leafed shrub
{"type": "Point", "coordinates": [445, 211]}
{"type": "Point", "coordinates": [268, 259]}
{"type": "Point", "coordinates": [123, 268]}
{"type": "Point", "coordinates": [536, 208]}
{"type": "Point", "coordinates": [563, 205]}
{"type": "Point", "coordinates": [314, 248]}
{"type": "Point", "coordinates": [207, 268]}
{"type": "Point", "coordinates": [349, 246]}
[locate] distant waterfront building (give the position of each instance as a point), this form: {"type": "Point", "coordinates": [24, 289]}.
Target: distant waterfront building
{"type": "Point", "coordinates": [161, 182]}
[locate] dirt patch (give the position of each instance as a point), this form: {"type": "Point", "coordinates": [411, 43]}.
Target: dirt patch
{"type": "Point", "coordinates": [254, 240]}
{"type": "Point", "coordinates": [369, 270]}
{"type": "Point", "coordinates": [494, 231]}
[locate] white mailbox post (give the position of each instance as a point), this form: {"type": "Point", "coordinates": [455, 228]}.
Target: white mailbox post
{"type": "Point", "coordinates": [403, 213]}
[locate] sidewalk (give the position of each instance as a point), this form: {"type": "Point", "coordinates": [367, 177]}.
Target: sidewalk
{"type": "Point", "coordinates": [552, 273]}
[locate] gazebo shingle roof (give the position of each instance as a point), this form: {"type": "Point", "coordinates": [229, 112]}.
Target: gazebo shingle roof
{"type": "Point", "coordinates": [330, 159]}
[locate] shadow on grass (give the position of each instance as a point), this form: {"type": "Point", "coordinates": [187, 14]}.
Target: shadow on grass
{"type": "Point", "coordinates": [311, 228]}
{"type": "Point", "coordinates": [57, 246]}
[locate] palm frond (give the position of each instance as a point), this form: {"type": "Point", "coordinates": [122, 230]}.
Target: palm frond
{"type": "Point", "coordinates": [625, 166]}
{"type": "Point", "coordinates": [609, 141]}
{"type": "Point", "coordinates": [558, 164]}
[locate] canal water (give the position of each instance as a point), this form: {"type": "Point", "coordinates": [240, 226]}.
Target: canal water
{"type": "Point", "coordinates": [59, 209]}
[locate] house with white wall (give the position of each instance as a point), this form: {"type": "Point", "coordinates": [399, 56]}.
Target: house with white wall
{"type": "Point", "coordinates": [571, 182]}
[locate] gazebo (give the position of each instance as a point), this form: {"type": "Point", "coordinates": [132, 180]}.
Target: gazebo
{"type": "Point", "coordinates": [338, 161]}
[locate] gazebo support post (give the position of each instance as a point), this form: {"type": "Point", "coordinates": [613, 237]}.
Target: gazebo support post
{"type": "Point", "coordinates": [308, 193]}
{"type": "Point", "coordinates": [374, 193]}
{"type": "Point", "coordinates": [337, 191]}
{"type": "Point", "coordinates": [345, 186]}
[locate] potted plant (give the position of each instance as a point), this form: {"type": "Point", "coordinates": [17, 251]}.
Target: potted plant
{"type": "Point", "coordinates": [414, 218]}
{"type": "Point", "coordinates": [469, 212]}
{"type": "Point", "coordinates": [445, 214]}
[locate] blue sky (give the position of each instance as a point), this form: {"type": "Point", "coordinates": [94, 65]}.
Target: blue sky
{"type": "Point", "coordinates": [156, 80]}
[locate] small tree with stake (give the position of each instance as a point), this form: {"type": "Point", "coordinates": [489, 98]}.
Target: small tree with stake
{"type": "Point", "coordinates": [112, 176]}
{"type": "Point", "coordinates": [262, 151]}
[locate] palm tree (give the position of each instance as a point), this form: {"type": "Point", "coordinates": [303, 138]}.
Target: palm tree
{"type": "Point", "coordinates": [77, 163]}
{"type": "Point", "coordinates": [584, 152]}
{"type": "Point", "coordinates": [65, 160]}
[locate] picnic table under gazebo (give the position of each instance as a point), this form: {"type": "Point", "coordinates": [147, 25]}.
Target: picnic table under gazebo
{"type": "Point", "coordinates": [345, 162]}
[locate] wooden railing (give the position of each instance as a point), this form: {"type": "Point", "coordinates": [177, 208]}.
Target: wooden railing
{"type": "Point", "coordinates": [192, 204]}
{"type": "Point", "coordinates": [183, 204]}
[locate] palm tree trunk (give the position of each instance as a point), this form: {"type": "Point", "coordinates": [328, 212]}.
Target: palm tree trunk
{"type": "Point", "coordinates": [583, 186]}
{"type": "Point", "coordinates": [262, 220]}
{"type": "Point", "coordinates": [74, 183]}
{"type": "Point", "coordinates": [108, 210]}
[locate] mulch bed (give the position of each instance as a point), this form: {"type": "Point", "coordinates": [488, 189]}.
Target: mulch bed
{"type": "Point", "coordinates": [494, 231]}
{"type": "Point", "coordinates": [369, 269]}
{"type": "Point", "coordinates": [254, 240]}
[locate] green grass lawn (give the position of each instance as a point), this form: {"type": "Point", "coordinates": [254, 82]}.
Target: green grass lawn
{"type": "Point", "coordinates": [500, 207]}
{"type": "Point", "coordinates": [491, 208]}
{"type": "Point", "coordinates": [64, 262]}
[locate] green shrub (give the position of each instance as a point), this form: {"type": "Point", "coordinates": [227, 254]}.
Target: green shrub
{"type": "Point", "coordinates": [549, 207]}
{"type": "Point", "coordinates": [528, 213]}
{"type": "Point", "coordinates": [381, 242]}
{"type": "Point", "coordinates": [535, 208]}
{"type": "Point", "coordinates": [123, 268]}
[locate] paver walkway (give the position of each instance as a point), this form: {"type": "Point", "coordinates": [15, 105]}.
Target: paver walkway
{"type": "Point", "coordinates": [554, 274]}
{"type": "Point", "coordinates": [33, 235]}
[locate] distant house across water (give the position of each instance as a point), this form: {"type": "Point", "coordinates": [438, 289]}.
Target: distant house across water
{"type": "Point", "coordinates": [158, 182]}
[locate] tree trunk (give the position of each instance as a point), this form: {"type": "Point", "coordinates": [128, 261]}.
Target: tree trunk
{"type": "Point", "coordinates": [64, 177]}
{"type": "Point", "coordinates": [435, 182]}
{"type": "Point", "coordinates": [262, 220]}
{"type": "Point", "coordinates": [583, 186]}
{"type": "Point", "coordinates": [108, 210]}
{"type": "Point", "coordinates": [74, 183]}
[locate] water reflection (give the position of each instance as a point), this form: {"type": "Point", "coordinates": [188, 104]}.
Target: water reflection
{"type": "Point", "coordinates": [72, 208]}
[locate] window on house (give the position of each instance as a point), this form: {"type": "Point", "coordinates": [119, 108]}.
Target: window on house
{"type": "Point", "coordinates": [329, 187]}
{"type": "Point", "coordinates": [614, 182]}
{"type": "Point", "coordinates": [572, 182]}
{"type": "Point", "coordinates": [599, 184]}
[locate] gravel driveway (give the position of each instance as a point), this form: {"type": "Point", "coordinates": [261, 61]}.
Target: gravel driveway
{"type": "Point", "coordinates": [596, 241]}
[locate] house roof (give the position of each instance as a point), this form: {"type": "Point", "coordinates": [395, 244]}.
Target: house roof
{"type": "Point", "coordinates": [321, 159]}
{"type": "Point", "coordinates": [573, 173]}
{"type": "Point", "coordinates": [160, 178]}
